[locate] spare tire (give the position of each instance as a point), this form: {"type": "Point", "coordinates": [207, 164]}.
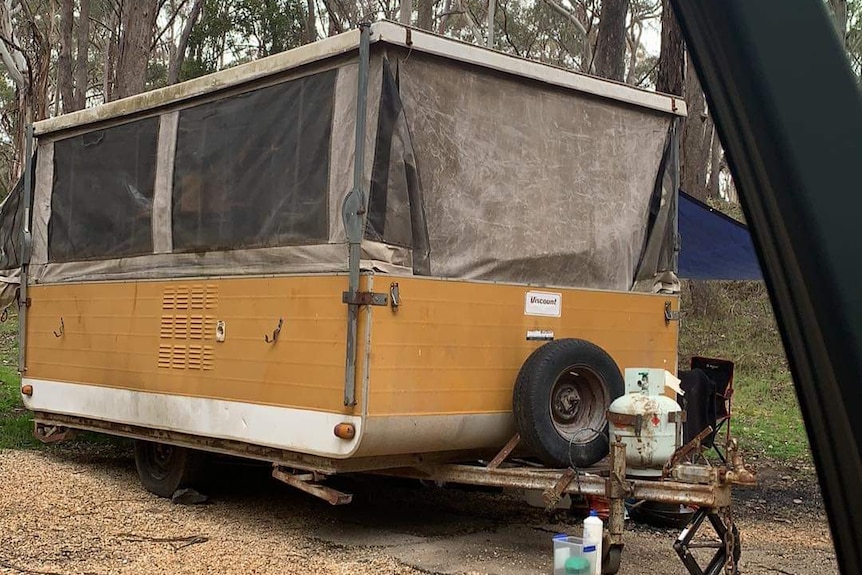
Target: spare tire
{"type": "Point", "coordinates": [561, 399]}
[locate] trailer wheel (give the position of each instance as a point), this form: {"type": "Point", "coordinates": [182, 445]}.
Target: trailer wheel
{"type": "Point", "coordinates": [561, 399]}
{"type": "Point", "coordinates": [165, 468]}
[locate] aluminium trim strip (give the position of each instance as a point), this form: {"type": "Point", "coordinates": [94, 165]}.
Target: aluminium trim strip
{"type": "Point", "coordinates": [418, 40]}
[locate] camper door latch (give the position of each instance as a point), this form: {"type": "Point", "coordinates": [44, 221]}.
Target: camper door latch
{"type": "Point", "coordinates": [670, 314]}
{"type": "Point", "coordinates": [364, 298]}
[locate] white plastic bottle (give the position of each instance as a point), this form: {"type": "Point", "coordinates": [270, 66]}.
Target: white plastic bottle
{"type": "Point", "coordinates": [593, 531]}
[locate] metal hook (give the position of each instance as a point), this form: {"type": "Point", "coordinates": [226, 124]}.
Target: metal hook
{"type": "Point", "coordinates": [62, 331]}
{"type": "Point", "coordinates": [274, 333]}
{"type": "Point", "coordinates": [4, 315]}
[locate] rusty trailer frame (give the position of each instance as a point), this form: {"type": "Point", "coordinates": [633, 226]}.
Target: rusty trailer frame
{"type": "Point", "coordinates": [706, 487]}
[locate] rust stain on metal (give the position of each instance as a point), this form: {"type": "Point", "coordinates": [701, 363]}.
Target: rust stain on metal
{"type": "Point", "coordinates": [683, 451]}
{"type": "Point", "coordinates": [505, 452]}
{"type": "Point", "coordinates": [303, 482]}
{"type": "Point", "coordinates": [53, 433]}
{"type": "Point", "coordinates": [552, 495]}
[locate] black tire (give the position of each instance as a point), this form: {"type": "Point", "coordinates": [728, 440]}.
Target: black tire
{"type": "Point", "coordinates": [165, 468]}
{"type": "Point", "coordinates": [561, 399]}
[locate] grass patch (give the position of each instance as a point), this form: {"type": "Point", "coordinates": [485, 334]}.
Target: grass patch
{"type": "Point", "coordinates": [16, 423]}
{"type": "Point", "coordinates": [734, 320]}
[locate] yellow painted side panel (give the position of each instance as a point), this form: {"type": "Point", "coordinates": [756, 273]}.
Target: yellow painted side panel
{"type": "Point", "coordinates": [160, 336]}
{"type": "Point", "coordinates": [457, 347]}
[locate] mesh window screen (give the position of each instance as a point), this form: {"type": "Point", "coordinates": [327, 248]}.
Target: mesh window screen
{"type": "Point", "coordinates": [101, 205]}
{"type": "Point", "coordinates": [253, 170]}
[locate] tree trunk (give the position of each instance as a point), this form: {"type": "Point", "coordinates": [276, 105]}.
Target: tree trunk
{"type": "Point", "coordinates": [713, 187]}
{"type": "Point", "coordinates": [334, 18]}
{"type": "Point", "coordinates": [64, 59]}
{"type": "Point", "coordinates": [405, 14]}
{"type": "Point", "coordinates": [671, 60]}
{"type": "Point", "coordinates": [310, 22]}
{"type": "Point", "coordinates": [82, 60]}
{"type": "Point", "coordinates": [176, 64]}
{"type": "Point", "coordinates": [695, 138]}
{"type": "Point", "coordinates": [426, 14]}
{"type": "Point", "coordinates": [489, 23]}
{"type": "Point", "coordinates": [109, 52]}
{"type": "Point", "coordinates": [137, 21]}
{"type": "Point", "coordinates": [17, 68]}
{"type": "Point", "coordinates": [634, 42]}
{"type": "Point", "coordinates": [839, 17]}
{"type": "Point", "coordinates": [444, 17]}
{"type": "Point", "coordinates": [611, 41]}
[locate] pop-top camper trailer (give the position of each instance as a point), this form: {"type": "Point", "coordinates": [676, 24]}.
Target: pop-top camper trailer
{"type": "Point", "coordinates": [381, 248]}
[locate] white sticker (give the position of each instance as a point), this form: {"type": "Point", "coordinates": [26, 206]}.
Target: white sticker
{"type": "Point", "coordinates": [540, 335]}
{"type": "Point", "coordinates": [543, 303]}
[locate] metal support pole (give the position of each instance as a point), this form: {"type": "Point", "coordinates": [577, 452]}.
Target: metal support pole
{"type": "Point", "coordinates": [23, 300]}
{"type": "Point", "coordinates": [352, 213]}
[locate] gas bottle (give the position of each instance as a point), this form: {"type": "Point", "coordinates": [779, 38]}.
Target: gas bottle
{"type": "Point", "coordinates": [646, 421]}
{"type": "Point", "coordinates": [593, 531]}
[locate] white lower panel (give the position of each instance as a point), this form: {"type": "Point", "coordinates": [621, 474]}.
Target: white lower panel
{"type": "Point", "coordinates": [400, 434]}
{"type": "Point", "coordinates": [299, 430]}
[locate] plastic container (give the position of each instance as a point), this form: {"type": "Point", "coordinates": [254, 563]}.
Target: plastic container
{"type": "Point", "coordinates": [566, 548]}
{"type": "Point", "coordinates": [592, 550]}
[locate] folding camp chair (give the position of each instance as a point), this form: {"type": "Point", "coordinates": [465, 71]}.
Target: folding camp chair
{"type": "Point", "coordinates": [720, 372]}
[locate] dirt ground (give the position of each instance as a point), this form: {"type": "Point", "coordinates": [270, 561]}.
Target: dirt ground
{"type": "Point", "coordinates": [64, 512]}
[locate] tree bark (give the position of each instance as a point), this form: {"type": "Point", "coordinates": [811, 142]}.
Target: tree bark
{"type": "Point", "coordinates": [695, 138]}
{"type": "Point", "coordinates": [713, 186]}
{"type": "Point", "coordinates": [82, 60]}
{"type": "Point", "coordinates": [671, 60]}
{"type": "Point", "coordinates": [444, 17]}
{"type": "Point", "coordinates": [176, 63]}
{"type": "Point", "coordinates": [633, 39]}
{"type": "Point", "coordinates": [18, 69]}
{"type": "Point", "coordinates": [109, 52]}
{"type": "Point", "coordinates": [839, 17]}
{"type": "Point", "coordinates": [310, 22]}
{"type": "Point", "coordinates": [137, 22]}
{"type": "Point", "coordinates": [405, 14]}
{"type": "Point", "coordinates": [426, 14]}
{"type": "Point", "coordinates": [611, 41]}
{"type": "Point", "coordinates": [65, 89]}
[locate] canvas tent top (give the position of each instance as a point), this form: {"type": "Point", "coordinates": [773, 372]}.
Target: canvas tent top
{"type": "Point", "coordinates": [475, 165]}
{"type": "Point", "coordinates": [381, 32]}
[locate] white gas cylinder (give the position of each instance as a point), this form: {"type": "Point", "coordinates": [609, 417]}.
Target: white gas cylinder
{"type": "Point", "coordinates": [646, 421]}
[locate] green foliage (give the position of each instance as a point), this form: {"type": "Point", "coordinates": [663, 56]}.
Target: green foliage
{"type": "Point", "coordinates": [233, 31]}
{"type": "Point", "coordinates": [157, 75]}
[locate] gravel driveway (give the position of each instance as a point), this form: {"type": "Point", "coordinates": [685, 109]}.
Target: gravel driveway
{"type": "Point", "coordinates": [65, 512]}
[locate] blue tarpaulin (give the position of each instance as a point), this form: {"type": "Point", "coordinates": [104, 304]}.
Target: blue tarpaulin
{"type": "Point", "coordinates": [714, 246]}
